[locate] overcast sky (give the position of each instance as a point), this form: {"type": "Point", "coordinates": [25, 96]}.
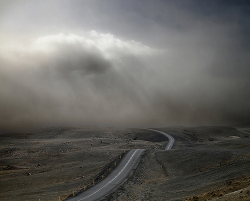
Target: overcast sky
{"type": "Point", "coordinates": [129, 63]}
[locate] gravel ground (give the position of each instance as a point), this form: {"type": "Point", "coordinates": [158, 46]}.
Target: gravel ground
{"type": "Point", "coordinates": [47, 163]}
{"type": "Point", "coordinates": [206, 163]}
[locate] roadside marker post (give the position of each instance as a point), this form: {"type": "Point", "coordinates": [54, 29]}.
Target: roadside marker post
{"type": "Point", "coordinates": [120, 157]}
{"type": "Point", "coordinates": [115, 163]}
{"type": "Point", "coordinates": [102, 176]}
{"type": "Point", "coordinates": [109, 169]}
{"type": "Point", "coordinates": [59, 198]}
{"type": "Point", "coordinates": [84, 187]}
{"type": "Point", "coordinates": [93, 182]}
{"type": "Point", "coordinates": [73, 194]}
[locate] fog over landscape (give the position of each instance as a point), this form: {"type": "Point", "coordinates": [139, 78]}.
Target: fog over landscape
{"type": "Point", "coordinates": [137, 63]}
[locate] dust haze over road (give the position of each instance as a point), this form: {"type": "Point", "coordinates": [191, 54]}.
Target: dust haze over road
{"type": "Point", "coordinates": [123, 63]}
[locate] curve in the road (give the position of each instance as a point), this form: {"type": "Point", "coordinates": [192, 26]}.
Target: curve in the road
{"type": "Point", "coordinates": [171, 139]}
{"type": "Point", "coordinates": [119, 174]}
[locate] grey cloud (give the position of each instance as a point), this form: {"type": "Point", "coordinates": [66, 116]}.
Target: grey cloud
{"type": "Point", "coordinates": [201, 77]}
{"type": "Point", "coordinates": [70, 60]}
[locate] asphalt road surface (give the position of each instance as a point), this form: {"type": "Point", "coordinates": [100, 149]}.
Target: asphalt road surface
{"type": "Point", "coordinates": [114, 179]}
{"type": "Point", "coordinates": [118, 175]}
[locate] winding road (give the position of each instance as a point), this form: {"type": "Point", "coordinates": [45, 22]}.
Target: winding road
{"type": "Point", "coordinates": [119, 174]}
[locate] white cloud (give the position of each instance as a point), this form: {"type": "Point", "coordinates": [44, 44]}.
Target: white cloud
{"type": "Point", "coordinates": [107, 44]}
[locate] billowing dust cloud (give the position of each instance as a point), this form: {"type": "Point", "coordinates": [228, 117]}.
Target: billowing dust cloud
{"type": "Point", "coordinates": [98, 79]}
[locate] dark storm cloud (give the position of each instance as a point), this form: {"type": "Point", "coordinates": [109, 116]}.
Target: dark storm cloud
{"type": "Point", "coordinates": [191, 66]}
{"type": "Point", "coordinates": [72, 60]}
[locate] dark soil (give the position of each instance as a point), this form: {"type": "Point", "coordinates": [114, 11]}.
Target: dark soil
{"type": "Point", "coordinates": [146, 135]}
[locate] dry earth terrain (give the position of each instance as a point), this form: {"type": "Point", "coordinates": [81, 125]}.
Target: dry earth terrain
{"type": "Point", "coordinates": [51, 162]}
{"type": "Point", "coordinates": [206, 163]}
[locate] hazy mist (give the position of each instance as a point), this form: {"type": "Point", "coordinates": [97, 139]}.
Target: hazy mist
{"type": "Point", "coordinates": [123, 63]}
